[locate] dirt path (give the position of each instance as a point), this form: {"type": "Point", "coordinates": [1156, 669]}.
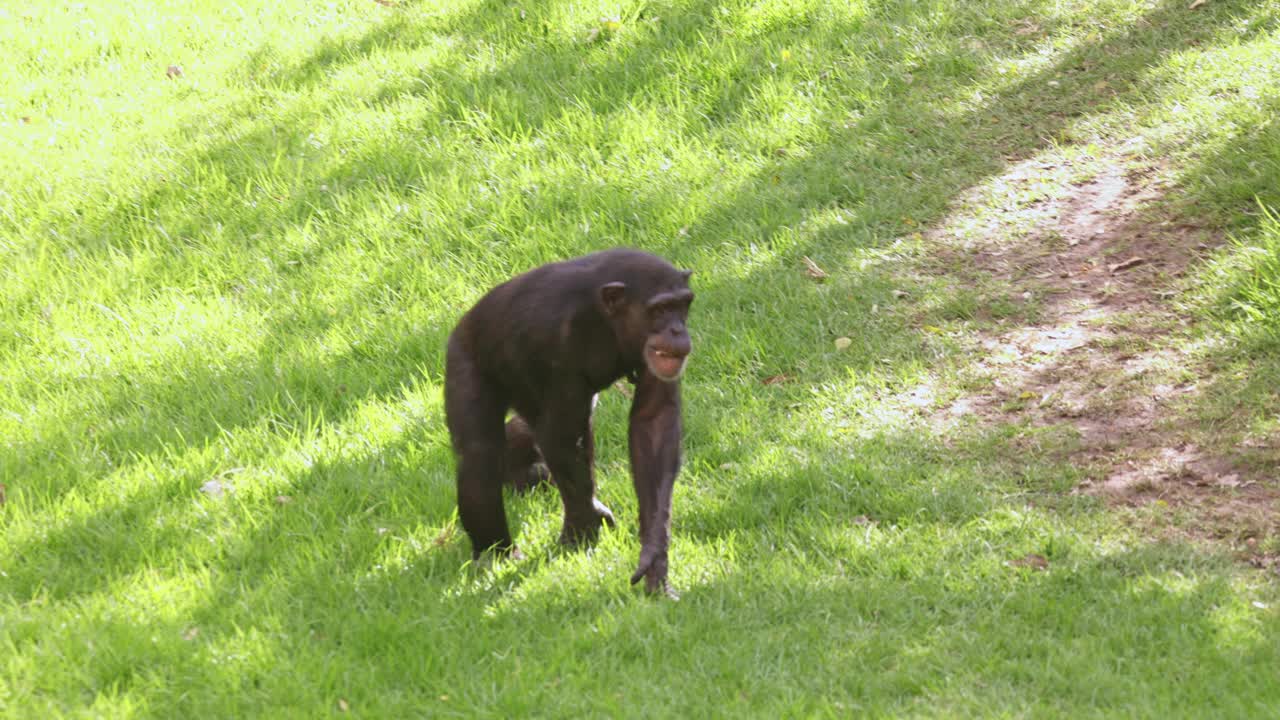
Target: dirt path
{"type": "Point", "coordinates": [1084, 245]}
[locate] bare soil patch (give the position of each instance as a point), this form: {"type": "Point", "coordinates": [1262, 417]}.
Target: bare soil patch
{"type": "Point", "coordinates": [1096, 256]}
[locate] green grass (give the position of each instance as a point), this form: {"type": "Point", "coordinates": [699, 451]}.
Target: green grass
{"type": "Point", "coordinates": [246, 274]}
{"type": "Point", "coordinates": [1240, 295]}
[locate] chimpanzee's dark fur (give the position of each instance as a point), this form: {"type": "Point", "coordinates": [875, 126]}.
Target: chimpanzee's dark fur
{"type": "Point", "coordinates": [544, 343]}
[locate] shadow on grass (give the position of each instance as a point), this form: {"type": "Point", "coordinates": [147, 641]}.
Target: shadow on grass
{"type": "Point", "coordinates": [196, 403]}
{"type": "Point", "coordinates": [324, 600]}
{"type": "Point", "coordinates": [921, 611]}
{"type": "Point", "coordinates": [911, 136]}
{"type": "Point", "coordinates": [869, 166]}
{"type": "Point", "coordinates": [1239, 290]}
{"type": "Point", "coordinates": [874, 182]}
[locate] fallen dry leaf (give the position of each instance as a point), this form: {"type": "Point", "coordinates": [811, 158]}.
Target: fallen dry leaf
{"type": "Point", "coordinates": [343, 705]}
{"type": "Point", "coordinates": [1196, 4]}
{"type": "Point", "coordinates": [2, 497]}
{"type": "Point", "coordinates": [1232, 480]}
{"type": "Point", "coordinates": [1031, 560]}
{"type": "Point", "coordinates": [191, 633]}
{"type": "Point", "coordinates": [1123, 265]}
{"type": "Point", "coordinates": [283, 499]}
{"type": "Point", "coordinates": [775, 379]}
{"type": "Point", "coordinates": [385, 3]}
{"type": "Point", "coordinates": [843, 342]}
{"type": "Point", "coordinates": [173, 71]}
{"type": "Point", "coordinates": [812, 270]}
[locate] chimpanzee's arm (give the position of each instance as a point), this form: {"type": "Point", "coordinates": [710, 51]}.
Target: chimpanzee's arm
{"type": "Point", "coordinates": [655, 459]}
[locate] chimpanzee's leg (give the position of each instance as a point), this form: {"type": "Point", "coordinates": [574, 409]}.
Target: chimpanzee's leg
{"type": "Point", "coordinates": [526, 468]}
{"type": "Point", "coordinates": [474, 410]}
{"type": "Point", "coordinates": [565, 437]}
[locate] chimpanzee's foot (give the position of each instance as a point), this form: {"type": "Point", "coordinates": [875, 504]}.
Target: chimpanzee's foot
{"type": "Point", "coordinates": [585, 529]}
{"type": "Point", "coordinates": [531, 478]}
{"type": "Point", "coordinates": [497, 552]}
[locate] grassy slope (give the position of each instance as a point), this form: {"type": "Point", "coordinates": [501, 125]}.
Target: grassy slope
{"type": "Point", "coordinates": [246, 274]}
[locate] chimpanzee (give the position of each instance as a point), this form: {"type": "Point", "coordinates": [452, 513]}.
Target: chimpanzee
{"type": "Point", "coordinates": [544, 343]}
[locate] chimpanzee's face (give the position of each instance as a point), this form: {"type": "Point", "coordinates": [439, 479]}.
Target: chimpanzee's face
{"type": "Point", "coordinates": [649, 318]}
{"type": "Point", "coordinates": [667, 346]}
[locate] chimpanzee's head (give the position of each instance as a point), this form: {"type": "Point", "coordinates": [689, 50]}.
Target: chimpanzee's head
{"type": "Point", "coordinates": [648, 312]}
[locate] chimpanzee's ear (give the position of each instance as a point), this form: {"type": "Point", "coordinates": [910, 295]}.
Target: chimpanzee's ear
{"type": "Point", "coordinates": [612, 296]}
{"type": "Point", "coordinates": [685, 274]}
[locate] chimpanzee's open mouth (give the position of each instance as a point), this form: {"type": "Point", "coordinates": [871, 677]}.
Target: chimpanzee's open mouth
{"type": "Point", "coordinates": [667, 366]}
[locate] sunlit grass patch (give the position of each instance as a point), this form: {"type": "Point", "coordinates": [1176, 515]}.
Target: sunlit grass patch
{"type": "Point", "coordinates": [225, 289]}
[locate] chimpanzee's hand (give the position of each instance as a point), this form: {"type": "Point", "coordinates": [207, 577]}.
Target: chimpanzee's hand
{"type": "Point", "coordinates": [653, 568]}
